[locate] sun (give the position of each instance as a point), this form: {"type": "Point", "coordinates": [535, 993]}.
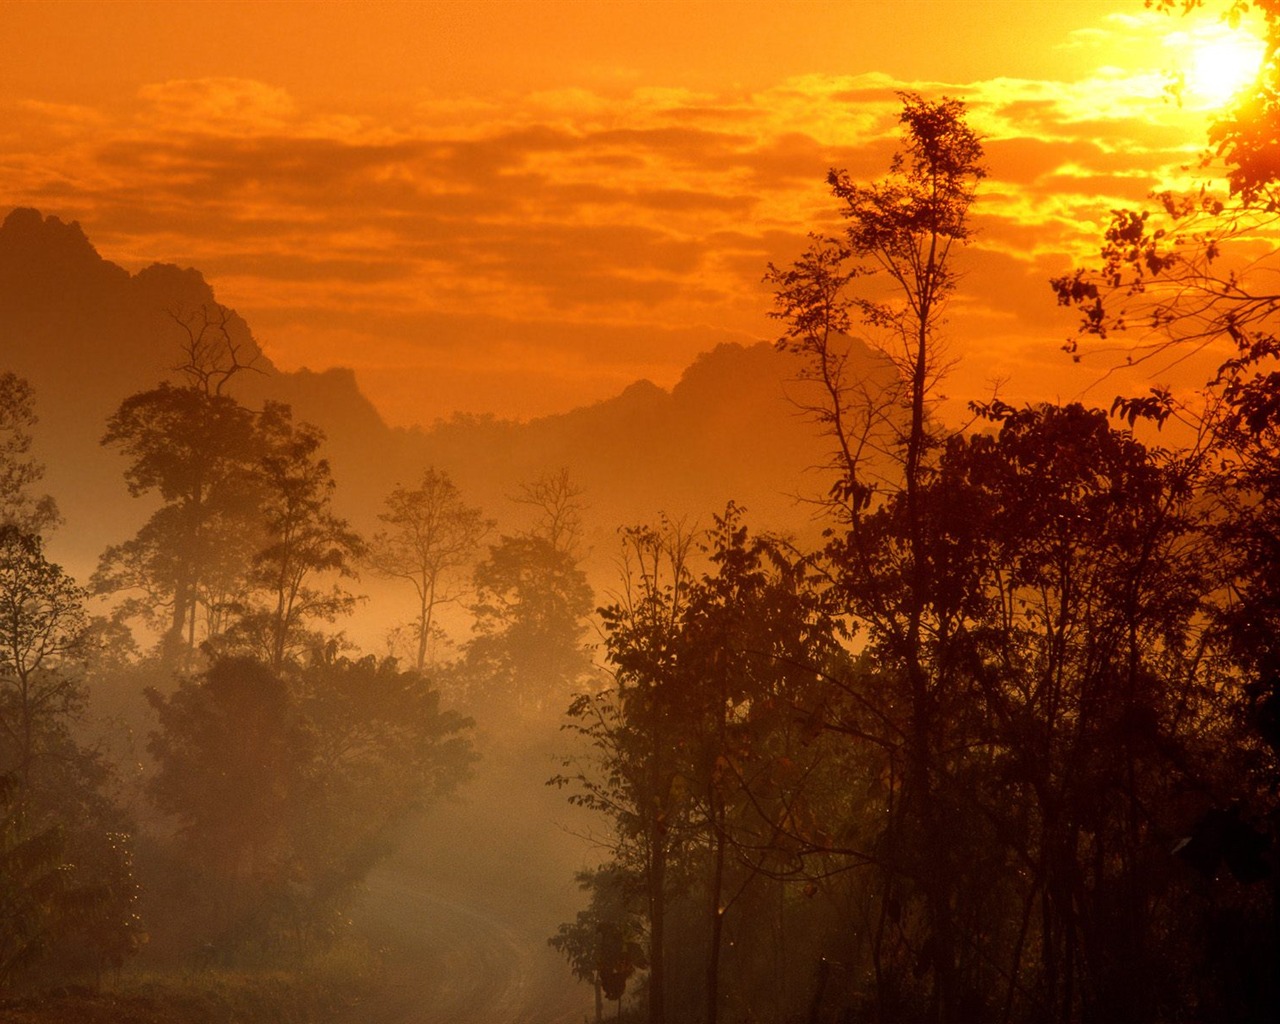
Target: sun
{"type": "Point", "coordinates": [1216, 67]}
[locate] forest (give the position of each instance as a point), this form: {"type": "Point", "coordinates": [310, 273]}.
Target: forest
{"type": "Point", "coordinates": [1001, 745]}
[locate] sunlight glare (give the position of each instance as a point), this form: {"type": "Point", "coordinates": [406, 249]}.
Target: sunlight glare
{"type": "Point", "coordinates": [1219, 66]}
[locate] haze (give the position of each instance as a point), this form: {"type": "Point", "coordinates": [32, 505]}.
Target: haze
{"type": "Point", "coordinates": [538, 512]}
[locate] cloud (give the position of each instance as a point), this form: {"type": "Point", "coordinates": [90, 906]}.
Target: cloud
{"type": "Point", "coordinates": [219, 105]}
{"type": "Point", "coordinates": [636, 222]}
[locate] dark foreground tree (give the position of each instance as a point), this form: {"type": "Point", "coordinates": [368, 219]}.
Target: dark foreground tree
{"type": "Point", "coordinates": [906, 229]}
{"type": "Point", "coordinates": [44, 638]}
{"type": "Point", "coordinates": [690, 754]}
{"type": "Point", "coordinates": [1190, 277]}
{"type": "Point", "coordinates": [631, 774]}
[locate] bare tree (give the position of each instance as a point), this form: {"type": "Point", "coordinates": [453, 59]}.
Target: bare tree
{"type": "Point", "coordinates": [213, 356]}
{"type": "Point", "coordinates": [558, 507]}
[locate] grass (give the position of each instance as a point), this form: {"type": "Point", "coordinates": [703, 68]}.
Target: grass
{"type": "Point", "coordinates": [319, 991]}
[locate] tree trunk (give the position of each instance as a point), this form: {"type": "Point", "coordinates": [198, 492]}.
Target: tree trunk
{"type": "Point", "coordinates": [657, 924]}
{"type": "Point", "coordinates": [717, 923]}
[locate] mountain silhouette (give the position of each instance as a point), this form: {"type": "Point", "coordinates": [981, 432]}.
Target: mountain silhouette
{"type": "Point", "coordinates": [87, 333]}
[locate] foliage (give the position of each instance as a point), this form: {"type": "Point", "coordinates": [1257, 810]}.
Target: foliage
{"type": "Point", "coordinates": [32, 884]}
{"type": "Point", "coordinates": [604, 943]}
{"type": "Point", "coordinates": [43, 644]}
{"type": "Point", "coordinates": [432, 536]}
{"type": "Point", "coordinates": [287, 789]}
{"type": "Point", "coordinates": [887, 576]}
{"type": "Point", "coordinates": [65, 872]}
{"type": "Point", "coordinates": [196, 448]}
{"type": "Point", "coordinates": [694, 759]}
{"type": "Point", "coordinates": [294, 578]}
{"type": "Point", "coordinates": [902, 228]}
{"type": "Point", "coordinates": [530, 608]}
{"type": "Point", "coordinates": [231, 750]}
{"type": "Point", "coordinates": [18, 469]}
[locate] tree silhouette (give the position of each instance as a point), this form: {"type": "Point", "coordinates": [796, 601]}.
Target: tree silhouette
{"type": "Point", "coordinates": [632, 775]}
{"type": "Point", "coordinates": [904, 228]}
{"type": "Point", "coordinates": [288, 788]}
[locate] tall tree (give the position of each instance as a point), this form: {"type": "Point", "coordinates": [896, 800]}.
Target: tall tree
{"type": "Point", "coordinates": [1093, 679]}
{"type": "Point", "coordinates": [690, 757]}
{"type": "Point", "coordinates": [905, 228]}
{"type": "Point", "coordinates": [752, 644]}
{"type": "Point", "coordinates": [66, 884]}
{"type": "Point", "coordinates": [195, 446]}
{"type": "Point", "coordinates": [1193, 275]}
{"type": "Point", "coordinates": [432, 536]}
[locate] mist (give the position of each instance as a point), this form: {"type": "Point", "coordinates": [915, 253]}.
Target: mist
{"type": "Point", "coordinates": [778, 695]}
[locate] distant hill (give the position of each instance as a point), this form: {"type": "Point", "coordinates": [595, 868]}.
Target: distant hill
{"type": "Point", "coordinates": [87, 333]}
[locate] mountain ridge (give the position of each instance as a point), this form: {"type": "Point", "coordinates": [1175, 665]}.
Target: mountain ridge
{"type": "Point", "coordinates": [87, 333]}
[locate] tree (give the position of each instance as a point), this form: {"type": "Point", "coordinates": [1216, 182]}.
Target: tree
{"type": "Point", "coordinates": [33, 887]}
{"type": "Point", "coordinates": [530, 619]}
{"type": "Point", "coordinates": [632, 776]}
{"type": "Point", "coordinates": [306, 545]}
{"type": "Point", "coordinates": [43, 645]}
{"type": "Point", "coordinates": [532, 600]}
{"type": "Point", "coordinates": [752, 644]}
{"type": "Point", "coordinates": [230, 754]}
{"type": "Point", "coordinates": [1195, 269]}
{"type": "Point", "coordinates": [1191, 275]}
{"type": "Point", "coordinates": [384, 750]}
{"type": "Point", "coordinates": [18, 469]}
{"type": "Point", "coordinates": [1090, 670]}
{"type": "Point", "coordinates": [558, 506]}
{"type": "Point", "coordinates": [604, 943]}
{"type": "Point", "coordinates": [287, 788]}
{"type": "Point", "coordinates": [692, 759]}
{"type": "Point", "coordinates": [67, 894]}
{"type": "Point", "coordinates": [904, 228]}
{"type": "Point", "coordinates": [195, 446]}
{"type": "Point", "coordinates": [432, 537]}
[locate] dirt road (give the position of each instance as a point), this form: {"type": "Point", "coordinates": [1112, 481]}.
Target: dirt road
{"type": "Point", "coordinates": [463, 912]}
{"type": "Point", "coordinates": [450, 962]}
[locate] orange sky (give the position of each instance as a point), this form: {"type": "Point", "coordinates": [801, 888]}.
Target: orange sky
{"type": "Point", "coordinates": [518, 207]}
